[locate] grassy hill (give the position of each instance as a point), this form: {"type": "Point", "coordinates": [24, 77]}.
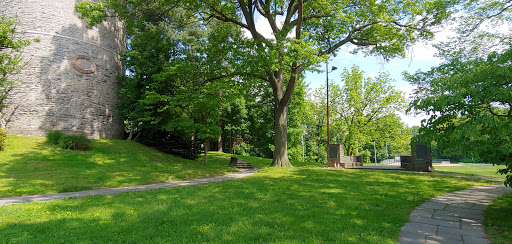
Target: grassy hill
{"type": "Point", "coordinates": [30, 165]}
{"type": "Point", "coordinates": [304, 204]}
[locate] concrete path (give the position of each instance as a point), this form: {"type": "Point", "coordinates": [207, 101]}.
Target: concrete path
{"type": "Point", "coordinates": [109, 191]}
{"type": "Point", "coordinates": [452, 218]}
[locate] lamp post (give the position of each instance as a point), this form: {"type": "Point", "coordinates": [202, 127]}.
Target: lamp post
{"type": "Point", "coordinates": [333, 68]}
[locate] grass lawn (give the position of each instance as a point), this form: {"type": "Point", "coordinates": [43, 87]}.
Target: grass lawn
{"type": "Point", "coordinates": [30, 166]}
{"type": "Point", "coordinates": [274, 205]}
{"type": "Point", "coordinates": [498, 220]}
{"type": "Point", "coordinates": [470, 169]}
{"type": "Point", "coordinates": [306, 203]}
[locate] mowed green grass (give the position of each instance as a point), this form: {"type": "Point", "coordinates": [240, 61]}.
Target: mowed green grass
{"type": "Point", "coordinates": [470, 169]}
{"type": "Point", "coordinates": [30, 166]}
{"type": "Point", "coordinates": [294, 205]}
{"type": "Point", "coordinates": [498, 220]}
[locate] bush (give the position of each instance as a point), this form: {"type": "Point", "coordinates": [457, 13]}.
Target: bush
{"type": "Point", "coordinates": [75, 142]}
{"type": "Point", "coordinates": [174, 143]}
{"type": "Point", "coordinates": [243, 149]}
{"type": "Point", "coordinates": [54, 136]}
{"type": "Point", "coordinates": [3, 139]}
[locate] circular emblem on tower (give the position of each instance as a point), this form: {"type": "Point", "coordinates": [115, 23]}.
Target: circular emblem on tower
{"type": "Point", "coordinates": [83, 64]}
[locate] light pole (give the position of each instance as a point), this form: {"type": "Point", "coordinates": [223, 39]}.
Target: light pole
{"type": "Point", "coordinates": [333, 68]}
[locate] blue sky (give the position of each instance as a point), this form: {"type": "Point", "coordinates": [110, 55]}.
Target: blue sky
{"type": "Point", "coordinates": [420, 57]}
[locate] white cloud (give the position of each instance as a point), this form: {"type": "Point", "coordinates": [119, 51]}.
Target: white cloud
{"type": "Point", "coordinates": [371, 74]}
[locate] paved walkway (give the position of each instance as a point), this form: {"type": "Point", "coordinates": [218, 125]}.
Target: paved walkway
{"type": "Point", "coordinates": [109, 191]}
{"type": "Point", "coordinates": [452, 218]}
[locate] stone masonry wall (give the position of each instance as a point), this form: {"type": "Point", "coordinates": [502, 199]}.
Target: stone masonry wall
{"type": "Point", "coordinates": [70, 81]}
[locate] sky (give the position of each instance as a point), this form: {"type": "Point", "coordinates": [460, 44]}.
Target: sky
{"type": "Point", "coordinates": [420, 57]}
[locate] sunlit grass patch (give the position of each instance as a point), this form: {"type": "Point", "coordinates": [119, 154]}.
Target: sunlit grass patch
{"type": "Point", "coordinates": [30, 165]}
{"type": "Point", "coordinates": [470, 169]}
{"type": "Point", "coordinates": [498, 220]}
{"type": "Point", "coordinates": [274, 205]}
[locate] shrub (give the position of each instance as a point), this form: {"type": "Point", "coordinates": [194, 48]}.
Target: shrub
{"type": "Point", "coordinates": [54, 136]}
{"type": "Point", "coordinates": [3, 139]}
{"type": "Point", "coordinates": [174, 143]}
{"type": "Point", "coordinates": [243, 149]}
{"type": "Point", "coordinates": [75, 142]}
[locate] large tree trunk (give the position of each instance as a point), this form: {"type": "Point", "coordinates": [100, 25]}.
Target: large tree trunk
{"type": "Point", "coordinates": [219, 144]}
{"type": "Point", "coordinates": [280, 138]}
{"type": "Point", "coordinates": [206, 149]}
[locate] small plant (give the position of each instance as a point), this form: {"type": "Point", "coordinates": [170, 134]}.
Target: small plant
{"type": "Point", "coordinates": [54, 136]}
{"type": "Point", "coordinates": [75, 142]}
{"type": "Point", "coordinates": [3, 139]}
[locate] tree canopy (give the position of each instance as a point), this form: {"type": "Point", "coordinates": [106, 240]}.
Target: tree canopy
{"type": "Point", "coordinates": [359, 104]}
{"type": "Point", "coordinates": [470, 107]}
{"type": "Point", "coordinates": [469, 97]}
{"type": "Point", "coordinates": [303, 34]}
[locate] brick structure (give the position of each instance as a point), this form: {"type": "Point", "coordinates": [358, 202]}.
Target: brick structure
{"type": "Point", "coordinates": [70, 81]}
{"type": "Point", "coordinates": [420, 159]}
{"type": "Point", "coordinates": [336, 157]}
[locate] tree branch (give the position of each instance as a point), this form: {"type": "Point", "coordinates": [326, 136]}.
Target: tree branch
{"type": "Point", "coordinates": [290, 12]}
{"type": "Point", "coordinates": [250, 19]}
{"type": "Point", "coordinates": [347, 39]}
{"type": "Point", "coordinates": [308, 17]}
{"type": "Point", "coordinates": [300, 5]}
{"type": "Point", "coordinates": [222, 17]}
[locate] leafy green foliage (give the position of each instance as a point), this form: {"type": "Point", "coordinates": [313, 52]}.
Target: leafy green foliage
{"type": "Point", "coordinates": [313, 29]}
{"type": "Point", "coordinates": [172, 142]}
{"type": "Point", "coordinates": [11, 57]}
{"type": "Point", "coordinates": [3, 139]}
{"type": "Point", "coordinates": [54, 136]}
{"type": "Point", "coordinates": [480, 28]}
{"type": "Point", "coordinates": [363, 110]}
{"type": "Point", "coordinates": [303, 35]}
{"type": "Point", "coordinates": [470, 107]}
{"type": "Point", "coordinates": [178, 75]}
{"type": "Point", "coordinates": [75, 142]}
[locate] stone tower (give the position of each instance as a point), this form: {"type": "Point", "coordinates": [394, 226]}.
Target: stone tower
{"type": "Point", "coordinates": [70, 81]}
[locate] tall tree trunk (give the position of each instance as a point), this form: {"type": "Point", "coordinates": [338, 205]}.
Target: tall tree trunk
{"type": "Point", "coordinates": [219, 143]}
{"type": "Point", "coordinates": [280, 138]}
{"type": "Point", "coordinates": [206, 148]}
{"type": "Point", "coordinates": [375, 152]}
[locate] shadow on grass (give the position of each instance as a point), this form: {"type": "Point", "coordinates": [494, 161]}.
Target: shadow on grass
{"type": "Point", "coordinates": [274, 205]}
{"type": "Point", "coordinates": [45, 168]}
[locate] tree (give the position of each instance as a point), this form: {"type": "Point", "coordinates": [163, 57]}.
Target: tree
{"type": "Point", "coordinates": [470, 107]}
{"type": "Point", "coordinates": [310, 30]}
{"type": "Point", "coordinates": [361, 105]}
{"type": "Point", "coordinates": [11, 59]}
{"type": "Point", "coordinates": [478, 29]}
{"type": "Point", "coordinates": [179, 74]}
{"type": "Point", "coordinates": [304, 33]}
{"type": "Point", "coordinates": [469, 97]}
{"type": "Point", "coordinates": [392, 136]}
